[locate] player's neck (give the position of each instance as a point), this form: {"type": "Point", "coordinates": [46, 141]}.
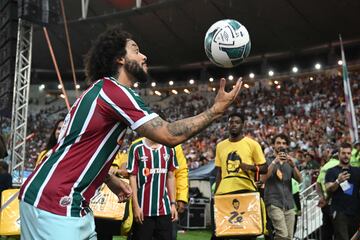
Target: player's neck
{"type": "Point", "coordinates": [123, 78]}
{"type": "Point", "coordinates": [151, 144]}
{"type": "Point", "coordinates": [236, 138]}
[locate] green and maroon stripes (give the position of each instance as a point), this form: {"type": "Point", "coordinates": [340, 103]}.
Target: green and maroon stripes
{"type": "Point", "coordinates": [34, 191]}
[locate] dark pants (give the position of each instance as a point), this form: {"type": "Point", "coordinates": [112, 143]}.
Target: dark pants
{"type": "Point", "coordinates": [106, 228]}
{"type": "Point", "coordinates": [345, 226]}
{"type": "Point", "coordinates": [159, 228]}
{"type": "Point", "coordinates": [327, 230]}
{"type": "Point", "coordinates": [174, 230]}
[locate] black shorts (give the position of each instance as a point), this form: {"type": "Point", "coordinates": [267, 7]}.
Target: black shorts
{"type": "Point", "coordinates": [159, 228]}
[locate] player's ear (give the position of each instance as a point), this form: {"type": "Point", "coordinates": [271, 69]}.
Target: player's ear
{"type": "Point", "coordinates": [120, 60]}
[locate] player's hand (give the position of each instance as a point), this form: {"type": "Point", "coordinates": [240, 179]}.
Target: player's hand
{"type": "Point", "coordinates": [174, 213]}
{"type": "Point", "coordinates": [181, 206]}
{"type": "Point", "coordinates": [224, 99]}
{"type": "Point", "coordinates": [138, 214]}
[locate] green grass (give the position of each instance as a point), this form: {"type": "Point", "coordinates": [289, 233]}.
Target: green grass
{"type": "Point", "coordinates": [190, 234]}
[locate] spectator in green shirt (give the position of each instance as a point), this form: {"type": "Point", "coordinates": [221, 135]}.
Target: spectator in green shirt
{"type": "Point", "coordinates": [355, 155]}
{"type": "Point", "coordinates": [327, 228]}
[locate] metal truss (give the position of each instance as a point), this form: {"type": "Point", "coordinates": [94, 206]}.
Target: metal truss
{"type": "Point", "coordinates": [20, 99]}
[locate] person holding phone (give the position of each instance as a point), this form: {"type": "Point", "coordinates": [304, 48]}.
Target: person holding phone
{"type": "Point", "coordinates": [343, 183]}
{"type": "Point", "coordinates": [279, 200]}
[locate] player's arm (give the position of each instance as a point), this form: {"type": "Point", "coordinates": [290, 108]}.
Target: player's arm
{"type": "Point", "coordinates": [170, 184]}
{"type": "Point", "coordinates": [120, 188]}
{"type": "Point", "coordinates": [172, 134]}
{"type": "Point", "coordinates": [137, 211]}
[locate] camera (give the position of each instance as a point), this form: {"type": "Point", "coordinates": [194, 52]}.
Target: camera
{"type": "Point", "coordinates": [282, 150]}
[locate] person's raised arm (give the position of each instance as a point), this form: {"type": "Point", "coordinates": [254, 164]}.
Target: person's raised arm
{"type": "Point", "coordinates": [172, 134]}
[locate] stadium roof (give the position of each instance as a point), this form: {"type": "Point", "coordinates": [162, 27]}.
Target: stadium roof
{"type": "Point", "coordinates": [171, 32]}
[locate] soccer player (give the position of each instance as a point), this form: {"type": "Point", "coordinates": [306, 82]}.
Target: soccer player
{"type": "Point", "coordinates": [54, 200]}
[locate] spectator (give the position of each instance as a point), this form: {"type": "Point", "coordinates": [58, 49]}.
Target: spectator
{"type": "Point", "coordinates": [3, 150]}
{"type": "Point", "coordinates": [278, 188]}
{"type": "Point", "coordinates": [51, 142]}
{"type": "Point", "coordinates": [343, 183]}
{"type": "Point", "coordinates": [5, 177]}
{"type": "Point", "coordinates": [238, 159]}
{"type": "Point", "coordinates": [327, 229]}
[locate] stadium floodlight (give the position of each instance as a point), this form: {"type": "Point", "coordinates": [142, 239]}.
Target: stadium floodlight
{"type": "Point", "coordinates": [318, 66]}
{"type": "Point", "coordinates": [191, 81]}
{"type": "Point", "coordinates": [213, 89]}
{"type": "Point", "coordinates": [295, 69]}
{"type": "Point", "coordinates": [174, 91]}
{"type": "Point", "coordinates": [231, 77]}
{"type": "Point", "coordinates": [41, 87]}
{"type": "Point", "coordinates": [136, 85]}
{"type": "Point", "coordinates": [271, 73]}
{"type": "Point", "coordinates": [276, 82]}
{"type": "Point", "coordinates": [62, 96]}
{"type": "Point", "coordinates": [340, 62]}
{"type": "Point", "coordinates": [186, 91]}
{"type": "Point", "coordinates": [77, 86]}
{"type": "Point", "coordinates": [251, 75]}
{"type": "Point", "coordinates": [246, 85]}
{"type": "Point", "coordinates": [158, 93]}
{"type": "Point", "coordinates": [278, 86]}
{"type": "Point", "coordinates": [59, 86]}
{"type": "Point", "coordinates": [311, 78]}
{"type": "Point", "coordinates": [171, 83]}
{"type": "Point", "coordinates": [211, 79]}
{"type": "Point", "coordinates": [153, 84]}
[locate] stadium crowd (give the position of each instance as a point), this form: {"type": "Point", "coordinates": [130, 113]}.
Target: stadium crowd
{"type": "Point", "coordinates": [309, 110]}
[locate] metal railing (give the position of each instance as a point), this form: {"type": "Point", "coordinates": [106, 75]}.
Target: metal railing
{"type": "Point", "coordinates": [310, 221]}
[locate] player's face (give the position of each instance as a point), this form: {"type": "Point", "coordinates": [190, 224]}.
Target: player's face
{"type": "Point", "coordinates": [235, 125]}
{"type": "Point", "coordinates": [135, 62]}
{"type": "Point", "coordinates": [345, 155]}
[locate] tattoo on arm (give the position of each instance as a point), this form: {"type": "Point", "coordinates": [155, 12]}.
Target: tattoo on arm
{"type": "Point", "coordinates": [191, 126]}
{"type": "Point", "coordinates": [157, 122]}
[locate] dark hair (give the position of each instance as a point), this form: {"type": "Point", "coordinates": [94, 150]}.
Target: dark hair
{"type": "Point", "coordinates": [109, 46]}
{"type": "Point", "coordinates": [345, 145]}
{"type": "Point", "coordinates": [237, 114]}
{"type": "Point", "coordinates": [281, 136]}
{"type": "Point", "coordinates": [52, 139]}
{"type": "Point", "coordinates": [4, 166]}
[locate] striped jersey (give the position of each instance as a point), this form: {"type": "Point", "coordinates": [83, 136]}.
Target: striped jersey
{"type": "Point", "coordinates": [150, 166]}
{"type": "Point", "coordinates": [92, 133]}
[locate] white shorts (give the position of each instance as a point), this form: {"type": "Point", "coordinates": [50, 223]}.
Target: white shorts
{"type": "Point", "coordinates": [38, 224]}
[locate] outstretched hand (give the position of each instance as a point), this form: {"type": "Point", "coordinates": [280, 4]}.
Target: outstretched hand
{"type": "Point", "coordinates": [224, 99]}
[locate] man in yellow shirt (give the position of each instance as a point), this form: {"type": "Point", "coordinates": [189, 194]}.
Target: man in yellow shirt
{"type": "Point", "coordinates": [237, 160]}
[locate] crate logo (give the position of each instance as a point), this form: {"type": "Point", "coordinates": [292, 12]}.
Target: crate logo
{"type": "Point", "coordinates": [235, 216]}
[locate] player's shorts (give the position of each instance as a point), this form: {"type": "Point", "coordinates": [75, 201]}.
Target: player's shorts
{"type": "Point", "coordinates": [39, 224]}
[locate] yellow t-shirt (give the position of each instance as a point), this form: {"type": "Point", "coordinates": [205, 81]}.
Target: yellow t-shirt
{"type": "Point", "coordinates": [229, 156]}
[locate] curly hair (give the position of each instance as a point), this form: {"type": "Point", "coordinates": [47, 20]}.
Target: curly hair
{"type": "Point", "coordinates": [109, 46]}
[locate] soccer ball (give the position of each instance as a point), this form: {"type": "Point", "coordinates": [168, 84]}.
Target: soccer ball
{"type": "Point", "coordinates": [227, 43]}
